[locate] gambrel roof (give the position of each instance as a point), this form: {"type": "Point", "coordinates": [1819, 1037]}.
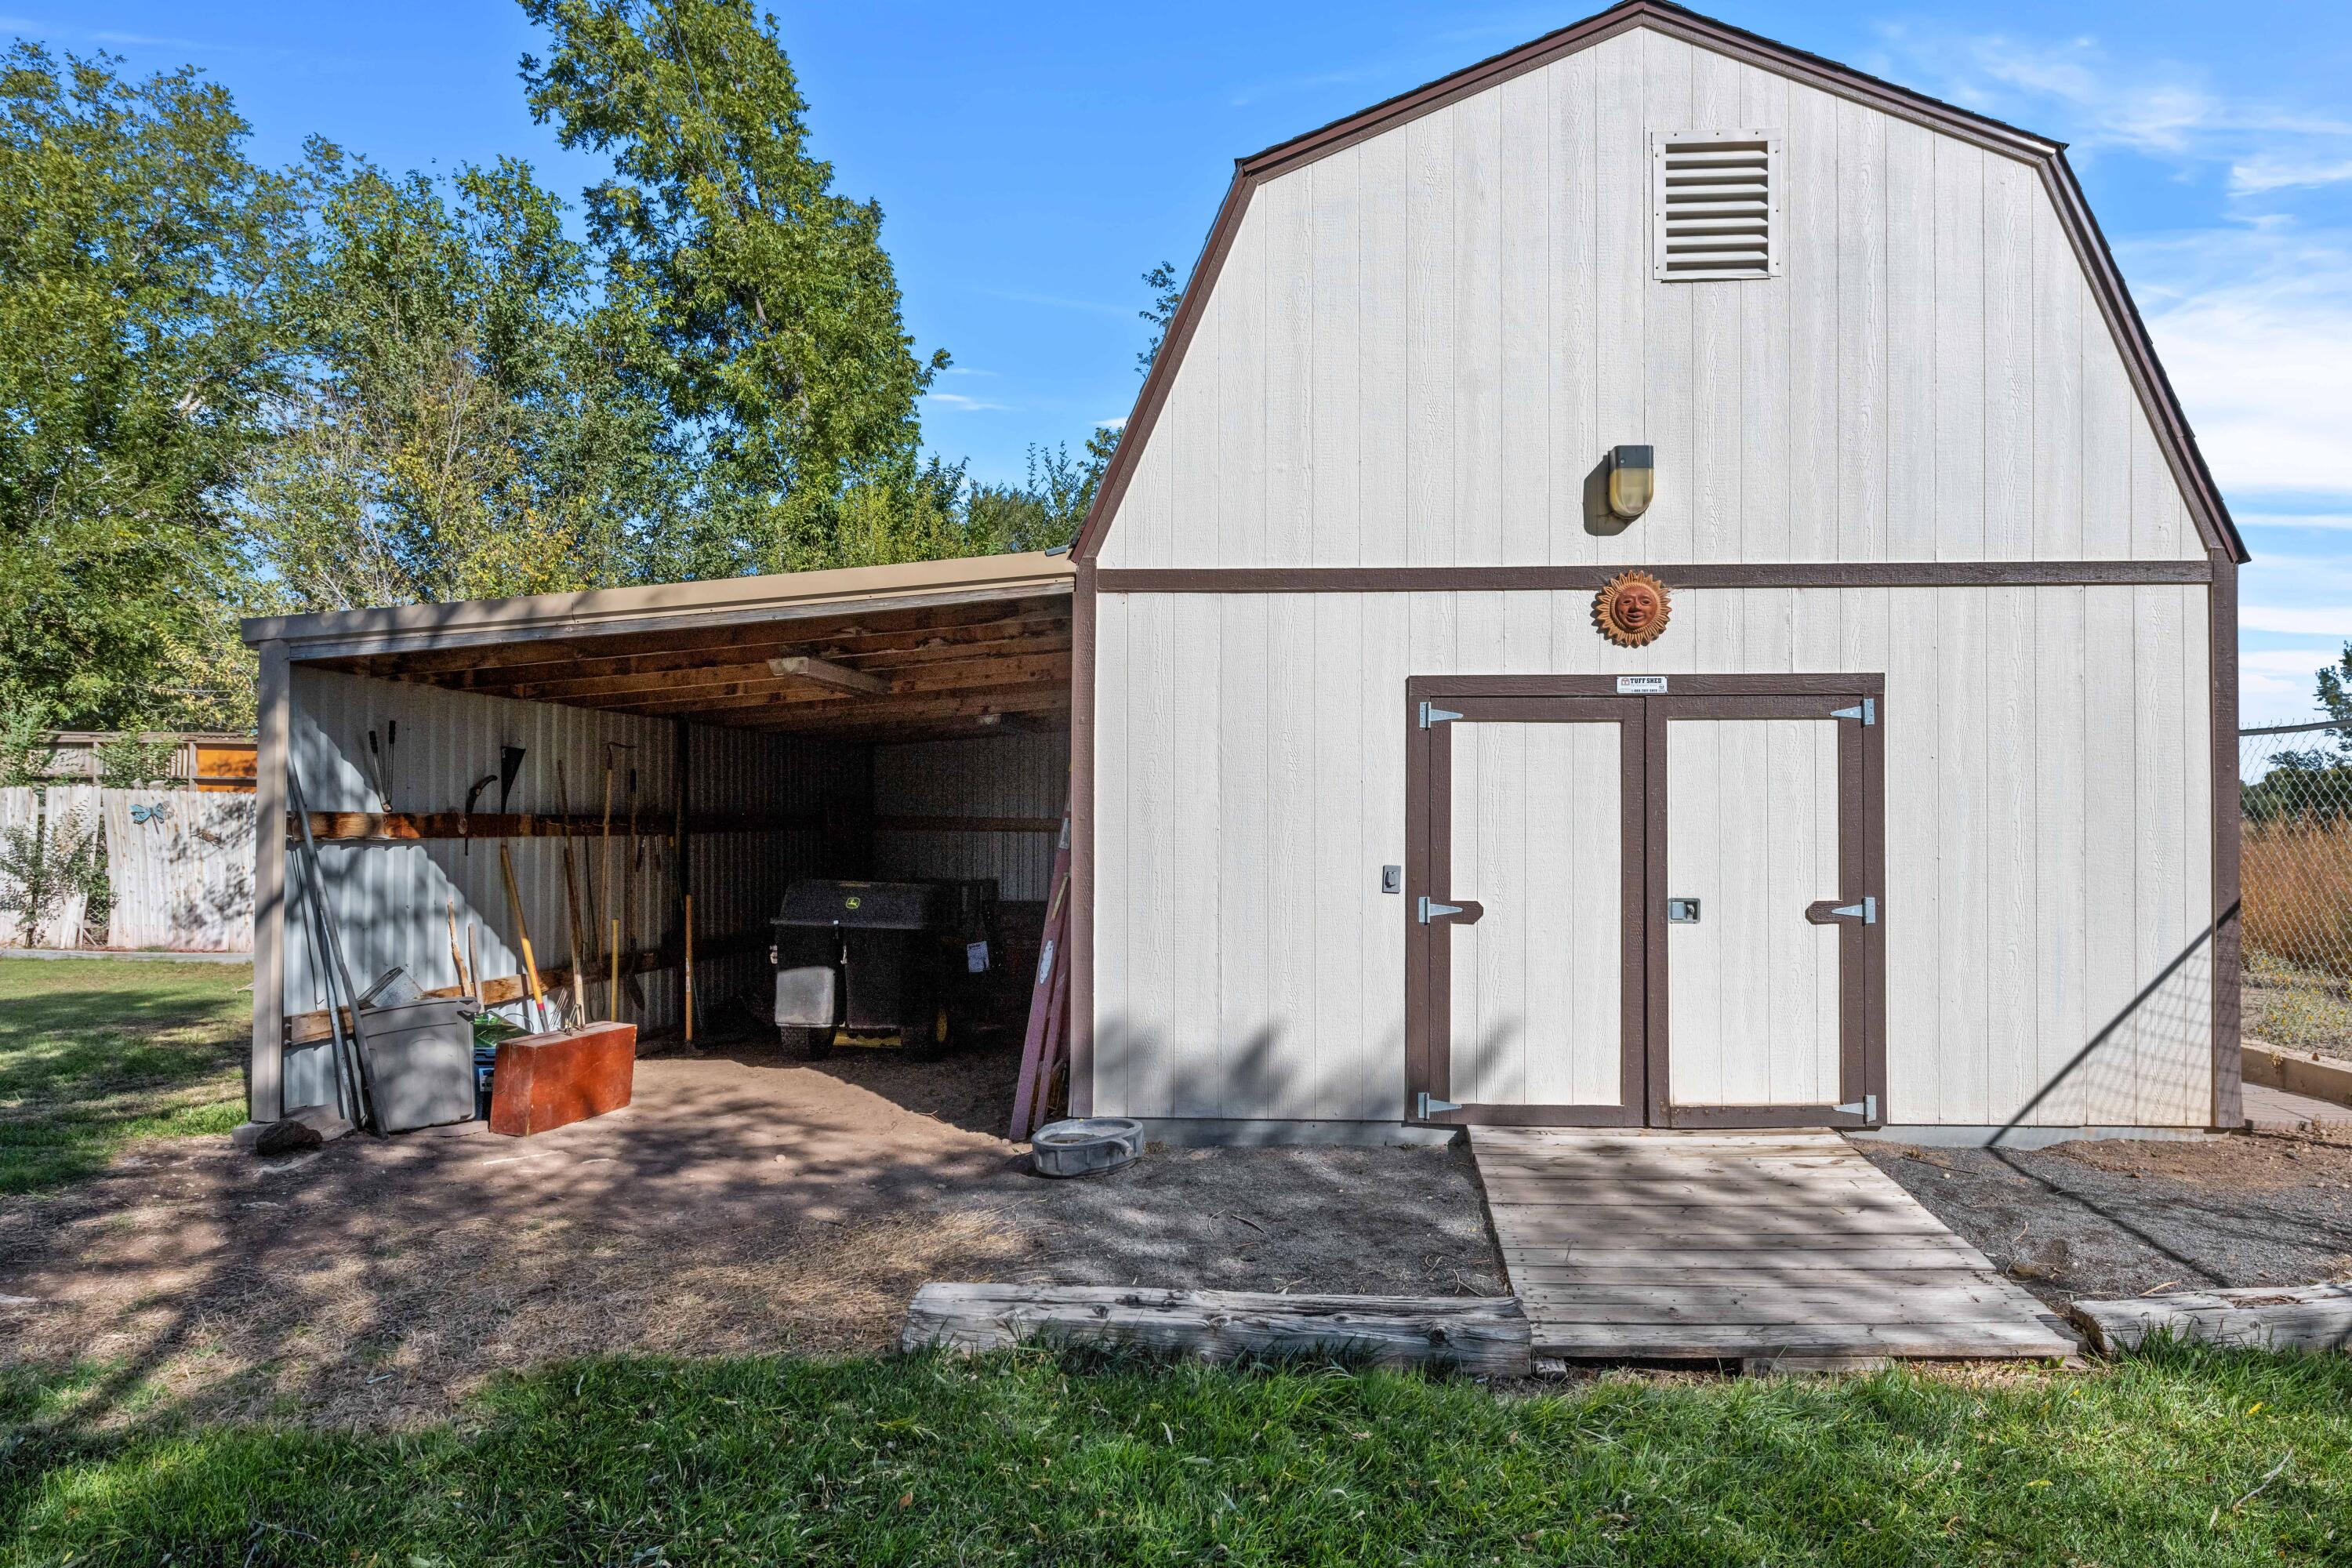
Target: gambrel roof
{"type": "Point", "coordinates": [2129, 333]}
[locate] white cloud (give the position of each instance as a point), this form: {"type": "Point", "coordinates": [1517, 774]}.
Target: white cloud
{"type": "Point", "coordinates": [2294, 520]}
{"type": "Point", "coordinates": [2325, 620]}
{"type": "Point", "coordinates": [1117, 424]}
{"type": "Point", "coordinates": [2077, 88]}
{"type": "Point", "coordinates": [2263, 173]}
{"type": "Point", "coordinates": [958, 401]}
{"type": "Point", "coordinates": [2255, 329]}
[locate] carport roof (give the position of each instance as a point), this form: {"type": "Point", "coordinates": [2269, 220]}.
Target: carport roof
{"type": "Point", "coordinates": [932, 647]}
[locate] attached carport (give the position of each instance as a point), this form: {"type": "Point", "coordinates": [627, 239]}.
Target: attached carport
{"type": "Point", "coordinates": [706, 741]}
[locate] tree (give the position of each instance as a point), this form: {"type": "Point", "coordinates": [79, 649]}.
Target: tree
{"type": "Point", "coordinates": [1166, 286]}
{"type": "Point", "coordinates": [2314, 785]}
{"type": "Point", "coordinates": [462, 427]}
{"type": "Point", "coordinates": [142, 258]}
{"type": "Point", "coordinates": [773, 329]}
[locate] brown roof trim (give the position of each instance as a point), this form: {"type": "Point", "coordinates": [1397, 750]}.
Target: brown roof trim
{"type": "Point", "coordinates": [600, 610]}
{"type": "Point", "coordinates": [2124, 321]}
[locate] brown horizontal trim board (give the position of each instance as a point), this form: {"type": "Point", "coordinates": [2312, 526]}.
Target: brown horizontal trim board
{"type": "Point", "coordinates": [2120, 315]}
{"type": "Point", "coordinates": [1725, 574]}
{"type": "Point", "coordinates": [311, 1028]}
{"type": "Point", "coordinates": [413, 828]}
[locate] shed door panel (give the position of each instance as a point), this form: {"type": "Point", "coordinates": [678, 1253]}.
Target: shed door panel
{"type": "Point", "coordinates": [1536, 1005]}
{"type": "Point", "coordinates": [1752, 986]}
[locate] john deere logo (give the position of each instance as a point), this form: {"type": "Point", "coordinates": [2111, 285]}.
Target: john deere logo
{"type": "Point", "coordinates": [852, 904]}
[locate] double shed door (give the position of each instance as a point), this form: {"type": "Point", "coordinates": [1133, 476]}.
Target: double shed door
{"type": "Point", "coordinates": [1656, 908]}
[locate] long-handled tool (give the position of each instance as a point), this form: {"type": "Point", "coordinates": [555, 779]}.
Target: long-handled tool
{"type": "Point", "coordinates": [522, 937]}
{"type": "Point", "coordinates": [376, 775]}
{"type": "Point", "coordinates": [338, 973]}
{"type": "Point", "coordinates": [457, 956]}
{"type": "Point", "coordinates": [465, 817]}
{"type": "Point", "coordinates": [630, 866]}
{"type": "Point", "coordinates": [578, 1011]}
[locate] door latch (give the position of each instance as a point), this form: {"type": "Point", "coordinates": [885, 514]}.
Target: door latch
{"type": "Point", "coordinates": [1868, 712]}
{"type": "Point", "coordinates": [1430, 911]}
{"type": "Point", "coordinates": [1426, 1105]}
{"type": "Point", "coordinates": [1866, 1107]}
{"type": "Point", "coordinates": [1682, 911]}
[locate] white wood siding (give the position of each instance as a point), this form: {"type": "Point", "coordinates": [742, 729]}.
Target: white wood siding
{"type": "Point", "coordinates": [1419, 346]}
{"type": "Point", "coordinates": [2047, 801]}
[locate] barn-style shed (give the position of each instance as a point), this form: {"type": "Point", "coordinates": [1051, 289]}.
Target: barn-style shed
{"type": "Point", "coordinates": [1657, 581]}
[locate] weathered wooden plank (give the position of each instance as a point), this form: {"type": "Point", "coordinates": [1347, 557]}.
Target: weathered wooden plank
{"type": "Point", "coordinates": [2306, 1317]}
{"type": "Point", "coordinates": [1674, 1246]}
{"type": "Point", "coordinates": [1964, 1339]}
{"type": "Point", "coordinates": [1668, 1255]}
{"type": "Point", "coordinates": [1484, 1335]}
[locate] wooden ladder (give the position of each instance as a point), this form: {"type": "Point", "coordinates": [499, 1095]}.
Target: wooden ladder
{"type": "Point", "coordinates": [1049, 996]}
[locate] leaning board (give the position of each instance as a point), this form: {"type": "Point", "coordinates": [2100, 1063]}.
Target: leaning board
{"type": "Point", "coordinates": [1639, 1246]}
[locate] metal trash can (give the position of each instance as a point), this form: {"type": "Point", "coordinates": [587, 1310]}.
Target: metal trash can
{"type": "Point", "coordinates": [422, 1054]}
{"type": "Point", "coordinates": [866, 963]}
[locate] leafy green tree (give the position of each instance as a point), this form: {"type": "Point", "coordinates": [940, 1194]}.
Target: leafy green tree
{"type": "Point", "coordinates": [462, 427]}
{"type": "Point", "coordinates": [2314, 785]}
{"type": "Point", "coordinates": [772, 332]}
{"type": "Point", "coordinates": [143, 259]}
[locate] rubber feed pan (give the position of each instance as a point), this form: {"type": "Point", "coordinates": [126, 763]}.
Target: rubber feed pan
{"type": "Point", "coordinates": [1087, 1146]}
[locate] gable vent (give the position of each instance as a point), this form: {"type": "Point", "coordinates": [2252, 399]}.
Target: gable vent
{"type": "Point", "coordinates": [1718, 201]}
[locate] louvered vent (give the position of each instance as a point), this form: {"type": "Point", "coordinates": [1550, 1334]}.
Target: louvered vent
{"type": "Point", "coordinates": [1719, 203]}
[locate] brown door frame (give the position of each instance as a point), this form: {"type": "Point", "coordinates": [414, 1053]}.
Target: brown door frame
{"type": "Point", "coordinates": [1862, 1035]}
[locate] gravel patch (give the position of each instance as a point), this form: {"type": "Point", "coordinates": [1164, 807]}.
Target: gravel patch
{"type": "Point", "coordinates": [2130, 1216]}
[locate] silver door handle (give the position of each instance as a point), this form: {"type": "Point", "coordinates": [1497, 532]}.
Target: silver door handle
{"type": "Point", "coordinates": [1682, 911]}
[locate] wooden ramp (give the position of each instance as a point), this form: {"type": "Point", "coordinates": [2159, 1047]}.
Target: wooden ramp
{"type": "Point", "coordinates": [1759, 1247]}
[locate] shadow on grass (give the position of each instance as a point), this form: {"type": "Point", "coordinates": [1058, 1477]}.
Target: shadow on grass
{"type": "Point", "coordinates": [94, 1055]}
{"type": "Point", "coordinates": [2195, 1455]}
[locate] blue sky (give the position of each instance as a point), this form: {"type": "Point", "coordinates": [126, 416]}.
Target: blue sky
{"type": "Point", "coordinates": [1032, 159]}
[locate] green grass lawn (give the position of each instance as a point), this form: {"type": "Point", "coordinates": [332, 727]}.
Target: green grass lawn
{"type": "Point", "coordinates": [96, 1053]}
{"type": "Point", "coordinates": [2174, 1457]}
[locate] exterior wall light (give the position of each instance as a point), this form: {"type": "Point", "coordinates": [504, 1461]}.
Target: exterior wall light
{"type": "Point", "coordinates": [1633, 480]}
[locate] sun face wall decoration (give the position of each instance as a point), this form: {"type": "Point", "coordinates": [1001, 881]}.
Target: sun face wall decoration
{"type": "Point", "coordinates": [1631, 609]}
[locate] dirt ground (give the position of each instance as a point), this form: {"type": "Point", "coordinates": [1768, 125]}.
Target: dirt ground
{"type": "Point", "coordinates": [2131, 1217]}
{"type": "Point", "coordinates": [745, 1203]}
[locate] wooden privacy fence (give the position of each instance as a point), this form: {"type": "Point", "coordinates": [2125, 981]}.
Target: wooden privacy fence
{"type": "Point", "coordinates": [179, 867]}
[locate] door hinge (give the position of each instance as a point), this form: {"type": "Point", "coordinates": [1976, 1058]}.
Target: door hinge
{"type": "Point", "coordinates": [1428, 911]}
{"type": "Point", "coordinates": [1426, 1105]}
{"type": "Point", "coordinates": [1431, 713]}
{"type": "Point", "coordinates": [1868, 712]}
{"type": "Point", "coordinates": [1866, 1107]}
{"type": "Point", "coordinates": [1866, 912]}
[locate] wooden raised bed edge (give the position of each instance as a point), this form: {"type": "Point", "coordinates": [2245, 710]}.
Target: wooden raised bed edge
{"type": "Point", "coordinates": [2285, 1317]}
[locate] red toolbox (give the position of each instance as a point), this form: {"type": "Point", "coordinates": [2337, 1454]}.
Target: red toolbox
{"type": "Point", "coordinates": [544, 1081]}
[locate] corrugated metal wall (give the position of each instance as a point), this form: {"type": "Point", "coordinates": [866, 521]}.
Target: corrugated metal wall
{"type": "Point", "coordinates": [393, 901]}
{"type": "Point", "coordinates": [1002, 775]}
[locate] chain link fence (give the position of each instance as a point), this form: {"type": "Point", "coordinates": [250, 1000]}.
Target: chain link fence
{"type": "Point", "coordinates": [2297, 874]}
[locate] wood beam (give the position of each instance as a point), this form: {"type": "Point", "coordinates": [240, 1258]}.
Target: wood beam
{"type": "Point", "coordinates": [824, 672]}
{"type": "Point", "coordinates": [606, 678]}
{"type": "Point", "coordinates": [788, 692]}
{"type": "Point", "coordinates": [481, 663]}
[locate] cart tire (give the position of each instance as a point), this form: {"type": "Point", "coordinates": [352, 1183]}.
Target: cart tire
{"type": "Point", "coordinates": [934, 1043]}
